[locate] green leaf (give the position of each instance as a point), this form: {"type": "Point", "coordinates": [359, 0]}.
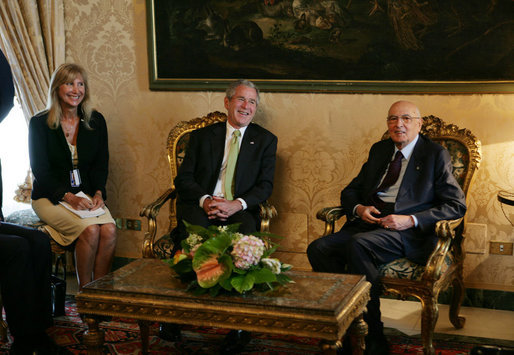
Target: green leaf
{"type": "Point", "coordinates": [183, 266]}
{"type": "Point", "coordinates": [227, 261]}
{"type": "Point", "coordinates": [213, 246]}
{"type": "Point", "coordinates": [283, 279]}
{"type": "Point", "coordinates": [169, 262]}
{"type": "Point", "coordinates": [263, 275]}
{"type": "Point", "coordinates": [200, 291]}
{"type": "Point", "coordinates": [267, 253]}
{"type": "Point", "coordinates": [243, 283]}
{"type": "Point", "coordinates": [195, 229]}
{"type": "Point", "coordinates": [213, 291]}
{"type": "Point", "coordinates": [285, 267]}
{"type": "Point", "coordinates": [233, 228]}
{"type": "Point", "coordinates": [226, 284]}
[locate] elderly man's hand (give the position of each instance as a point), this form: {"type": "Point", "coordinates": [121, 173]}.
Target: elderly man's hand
{"type": "Point", "coordinates": [397, 222]}
{"type": "Point", "coordinates": [366, 214]}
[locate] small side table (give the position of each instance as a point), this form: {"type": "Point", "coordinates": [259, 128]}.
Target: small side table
{"type": "Point", "coordinates": [506, 198]}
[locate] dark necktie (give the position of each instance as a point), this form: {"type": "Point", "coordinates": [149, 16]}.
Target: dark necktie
{"type": "Point", "coordinates": [393, 172]}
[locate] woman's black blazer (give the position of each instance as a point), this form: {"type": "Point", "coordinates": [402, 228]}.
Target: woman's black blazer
{"type": "Point", "coordinates": [50, 158]}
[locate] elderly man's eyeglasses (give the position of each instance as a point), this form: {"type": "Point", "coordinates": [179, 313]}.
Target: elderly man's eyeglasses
{"type": "Point", "coordinates": [405, 118]}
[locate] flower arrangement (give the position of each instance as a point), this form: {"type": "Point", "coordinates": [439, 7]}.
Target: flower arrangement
{"type": "Point", "coordinates": [218, 259]}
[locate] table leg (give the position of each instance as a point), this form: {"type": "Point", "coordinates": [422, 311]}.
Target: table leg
{"type": "Point", "coordinates": [330, 348]}
{"type": "Point", "coordinates": [358, 332]}
{"type": "Point", "coordinates": [94, 337]}
{"type": "Point", "coordinates": [145, 333]}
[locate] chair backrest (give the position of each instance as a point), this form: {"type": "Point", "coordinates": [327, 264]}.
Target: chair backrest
{"type": "Point", "coordinates": [178, 138]}
{"type": "Point", "coordinates": [465, 149]}
{"type": "Point", "coordinates": [177, 143]}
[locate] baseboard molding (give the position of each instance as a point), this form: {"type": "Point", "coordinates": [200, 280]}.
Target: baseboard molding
{"type": "Point", "coordinates": [491, 299]}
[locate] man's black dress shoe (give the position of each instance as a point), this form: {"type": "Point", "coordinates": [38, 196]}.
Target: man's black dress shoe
{"type": "Point", "coordinates": [235, 342]}
{"type": "Point", "coordinates": [170, 332]}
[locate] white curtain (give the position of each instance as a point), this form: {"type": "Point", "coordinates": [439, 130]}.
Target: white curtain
{"type": "Point", "coordinates": [32, 39]}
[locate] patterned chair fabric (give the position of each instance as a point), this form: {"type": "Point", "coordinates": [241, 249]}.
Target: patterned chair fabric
{"type": "Point", "coordinates": [26, 218]}
{"type": "Point", "coordinates": [178, 140]}
{"type": "Point", "coordinates": [445, 265]}
{"type": "Point", "coordinates": [405, 269]}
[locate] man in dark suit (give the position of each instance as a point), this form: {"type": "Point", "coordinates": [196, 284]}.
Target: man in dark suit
{"type": "Point", "coordinates": [25, 259]}
{"type": "Point", "coordinates": [218, 187]}
{"type": "Point", "coordinates": [391, 215]}
{"type": "Point", "coordinates": [203, 195]}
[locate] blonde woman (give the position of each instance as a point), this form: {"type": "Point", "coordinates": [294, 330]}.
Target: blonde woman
{"type": "Point", "coordinates": [69, 154]}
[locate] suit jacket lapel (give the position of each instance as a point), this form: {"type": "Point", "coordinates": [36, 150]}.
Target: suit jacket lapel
{"type": "Point", "coordinates": [217, 149]}
{"type": "Point", "coordinates": [245, 152]}
{"type": "Point", "coordinates": [383, 163]}
{"type": "Point", "coordinates": [414, 168]}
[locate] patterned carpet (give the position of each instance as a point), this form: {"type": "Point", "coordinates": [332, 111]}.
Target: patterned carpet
{"type": "Point", "coordinates": [122, 337]}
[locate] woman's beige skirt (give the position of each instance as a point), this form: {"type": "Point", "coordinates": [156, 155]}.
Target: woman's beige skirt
{"type": "Point", "coordinates": [63, 225]}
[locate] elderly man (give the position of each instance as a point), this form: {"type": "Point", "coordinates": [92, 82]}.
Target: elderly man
{"type": "Point", "coordinates": [227, 172]}
{"type": "Point", "coordinates": [392, 206]}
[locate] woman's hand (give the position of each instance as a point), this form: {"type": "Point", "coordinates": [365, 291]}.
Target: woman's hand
{"type": "Point", "coordinates": [98, 201]}
{"type": "Point", "coordinates": [78, 203]}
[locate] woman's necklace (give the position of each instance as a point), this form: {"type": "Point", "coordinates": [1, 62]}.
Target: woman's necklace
{"type": "Point", "coordinates": [69, 126]}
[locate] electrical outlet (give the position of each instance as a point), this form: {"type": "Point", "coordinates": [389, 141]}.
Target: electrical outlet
{"type": "Point", "coordinates": [133, 224]}
{"type": "Point", "coordinates": [500, 248]}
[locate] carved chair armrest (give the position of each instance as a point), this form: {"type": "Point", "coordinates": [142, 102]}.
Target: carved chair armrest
{"type": "Point", "coordinates": [445, 231]}
{"type": "Point", "coordinates": [266, 212]}
{"type": "Point", "coordinates": [151, 211]}
{"type": "Point", "coordinates": [330, 215]}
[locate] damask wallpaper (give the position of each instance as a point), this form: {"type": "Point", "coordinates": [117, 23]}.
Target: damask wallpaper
{"type": "Point", "coordinates": [323, 139]}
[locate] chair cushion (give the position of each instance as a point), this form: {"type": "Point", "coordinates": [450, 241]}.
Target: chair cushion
{"type": "Point", "coordinates": [406, 269]}
{"type": "Point", "coordinates": [460, 158]}
{"type": "Point", "coordinates": [26, 218]}
{"type": "Point", "coordinates": [402, 269]}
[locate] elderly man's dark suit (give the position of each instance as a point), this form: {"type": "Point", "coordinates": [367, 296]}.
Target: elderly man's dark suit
{"type": "Point", "coordinates": [200, 169]}
{"type": "Point", "coordinates": [428, 191]}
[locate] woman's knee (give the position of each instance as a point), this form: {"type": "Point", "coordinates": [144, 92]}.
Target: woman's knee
{"type": "Point", "coordinates": [90, 234]}
{"type": "Point", "coordinates": [108, 234]}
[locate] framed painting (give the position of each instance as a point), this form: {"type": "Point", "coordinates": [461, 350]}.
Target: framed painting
{"type": "Point", "coordinates": [377, 46]}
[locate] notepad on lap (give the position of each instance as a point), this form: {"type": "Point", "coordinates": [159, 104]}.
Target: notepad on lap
{"type": "Point", "coordinates": [83, 213]}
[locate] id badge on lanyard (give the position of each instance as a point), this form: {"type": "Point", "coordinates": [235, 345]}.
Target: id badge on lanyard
{"type": "Point", "coordinates": [75, 178]}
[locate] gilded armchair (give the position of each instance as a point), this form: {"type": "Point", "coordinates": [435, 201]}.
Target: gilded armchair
{"type": "Point", "coordinates": [178, 139]}
{"type": "Point", "coordinates": [445, 264]}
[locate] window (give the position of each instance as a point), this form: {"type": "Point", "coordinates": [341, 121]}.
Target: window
{"type": "Point", "coordinates": [14, 154]}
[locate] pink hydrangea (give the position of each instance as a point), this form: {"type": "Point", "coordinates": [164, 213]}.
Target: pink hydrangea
{"type": "Point", "coordinates": [247, 251]}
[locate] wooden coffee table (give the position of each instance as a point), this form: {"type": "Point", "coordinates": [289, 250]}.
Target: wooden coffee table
{"type": "Point", "coordinates": [317, 305]}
